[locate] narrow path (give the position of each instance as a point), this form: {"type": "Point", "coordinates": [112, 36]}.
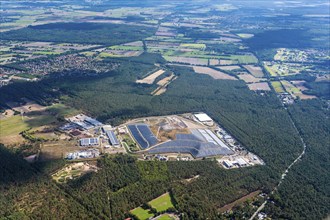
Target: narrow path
{"type": "Point", "coordinates": [262, 206]}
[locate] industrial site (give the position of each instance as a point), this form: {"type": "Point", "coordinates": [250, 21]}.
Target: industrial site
{"type": "Point", "coordinates": [191, 136]}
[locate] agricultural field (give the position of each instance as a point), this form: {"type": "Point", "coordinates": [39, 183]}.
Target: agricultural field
{"type": "Point", "coordinates": [35, 119]}
{"type": "Point", "coordinates": [187, 60]}
{"type": "Point", "coordinates": [263, 86]}
{"type": "Point", "coordinates": [295, 88]}
{"type": "Point", "coordinates": [193, 46]}
{"type": "Point", "coordinates": [254, 70]}
{"type": "Point", "coordinates": [277, 86]}
{"type": "Point", "coordinates": [215, 74]}
{"type": "Point", "coordinates": [248, 78]}
{"type": "Point", "coordinates": [229, 68]}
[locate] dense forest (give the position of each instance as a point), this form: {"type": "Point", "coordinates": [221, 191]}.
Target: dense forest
{"type": "Point", "coordinates": [84, 33]}
{"type": "Point", "coordinates": [260, 123]}
{"type": "Point", "coordinates": [306, 192]}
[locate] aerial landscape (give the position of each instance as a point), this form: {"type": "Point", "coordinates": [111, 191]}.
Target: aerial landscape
{"type": "Point", "coordinates": [164, 109]}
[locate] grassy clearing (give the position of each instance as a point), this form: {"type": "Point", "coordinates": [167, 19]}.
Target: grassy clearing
{"type": "Point", "coordinates": [12, 125]}
{"type": "Point", "coordinates": [141, 213]}
{"type": "Point", "coordinates": [162, 203]}
{"type": "Point", "coordinates": [165, 217]}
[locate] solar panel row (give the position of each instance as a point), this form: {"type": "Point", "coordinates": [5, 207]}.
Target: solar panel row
{"type": "Point", "coordinates": [189, 143]}
{"type": "Point", "coordinates": [195, 148]}
{"type": "Point", "coordinates": [143, 135]}
{"type": "Point", "coordinates": [137, 136]}
{"type": "Point", "coordinates": [147, 134]}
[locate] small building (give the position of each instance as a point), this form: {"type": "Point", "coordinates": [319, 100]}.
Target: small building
{"type": "Point", "coordinates": [86, 142]}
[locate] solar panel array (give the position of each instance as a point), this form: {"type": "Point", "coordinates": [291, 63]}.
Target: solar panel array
{"type": "Point", "coordinates": [190, 143]}
{"type": "Point", "coordinates": [143, 135]}
{"type": "Point", "coordinates": [112, 137]}
{"type": "Point", "coordinates": [89, 141]}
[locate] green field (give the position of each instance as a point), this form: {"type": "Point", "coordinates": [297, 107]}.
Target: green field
{"type": "Point", "coordinates": [277, 86]}
{"type": "Point", "coordinates": [194, 46]}
{"type": "Point", "coordinates": [270, 70]}
{"type": "Point", "coordinates": [165, 217]}
{"type": "Point", "coordinates": [162, 203]}
{"type": "Point", "coordinates": [290, 88]}
{"type": "Point", "coordinates": [12, 125]}
{"type": "Point", "coordinates": [141, 213]}
{"type": "Point", "coordinates": [124, 47]}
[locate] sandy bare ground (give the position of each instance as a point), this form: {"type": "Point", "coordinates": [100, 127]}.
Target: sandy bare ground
{"type": "Point", "coordinates": [213, 73]}
{"type": "Point", "coordinates": [259, 86]}
{"type": "Point", "coordinates": [229, 68]}
{"type": "Point", "coordinates": [248, 78]}
{"type": "Point", "coordinates": [151, 78]}
{"type": "Point", "coordinates": [254, 70]}
{"type": "Point", "coordinates": [163, 84]}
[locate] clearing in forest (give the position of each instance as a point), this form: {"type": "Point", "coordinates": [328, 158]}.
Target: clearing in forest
{"type": "Point", "coordinates": [162, 203]}
{"type": "Point", "coordinates": [151, 78]}
{"type": "Point", "coordinates": [142, 214]}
